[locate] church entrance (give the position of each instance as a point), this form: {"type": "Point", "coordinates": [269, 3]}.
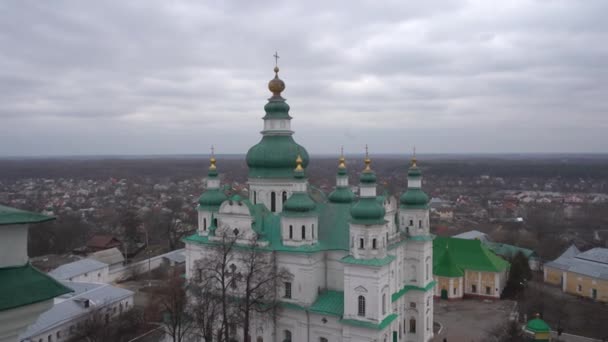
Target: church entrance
{"type": "Point", "coordinates": [444, 294]}
{"type": "Point", "coordinates": [394, 336]}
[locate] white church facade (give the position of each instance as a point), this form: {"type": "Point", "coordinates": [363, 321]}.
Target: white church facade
{"type": "Point", "coordinates": [361, 264]}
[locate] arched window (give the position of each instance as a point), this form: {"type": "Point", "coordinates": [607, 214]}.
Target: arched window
{"type": "Point", "coordinates": [374, 244]}
{"type": "Point", "coordinates": [420, 224]}
{"type": "Point", "coordinates": [361, 306]}
{"type": "Point", "coordinates": [384, 303]}
{"type": "Point", "coordinates": [287, 335]}
{"type": "Point", "coordinates": [361, 243]}
{"type": "Point", "coordinates": [255, 197]}
{"type": "Point", "coordinates": [303, 232]}
{"type": "Point", "coordinates": [313, 231]}
{"type": "Point", "coordinates": [413, 275]}
{"type": "Point", "coordinates": [413, 325]}
{"type": "Point", "coordinates": [427, 270]}
{"type": "Point", "coordinates": [259, 339]}
{"type": "Point", "coordinates": [205, 224]}
{"type": "Point", "coordinates": [215, 222]}
{"type": "Point", "coordinates": [273, 202]}
{"type": "Point", "coordinates": [322, 339]}
{"type": "Point", "coordinates": [284, 197]}
{"type": "Point", "coordinates": [290, 231]}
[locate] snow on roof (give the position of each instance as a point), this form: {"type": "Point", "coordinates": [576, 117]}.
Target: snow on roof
{"type": "Point", "coordinates": [593, 263]}
{"type": "Point", "coordinates": [177, 256]}
{"type": "Point", "coordinates": [109, 256]}
{"type": "Point", "coordinates": [71, 307]}
{"type": "Point", "coordinates": [76, 268]}
{"type": "Point", "coordinates": [472, 235]}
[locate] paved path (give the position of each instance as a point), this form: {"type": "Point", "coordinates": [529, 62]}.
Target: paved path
{"type": "Point", "coordinates": [470, 320]}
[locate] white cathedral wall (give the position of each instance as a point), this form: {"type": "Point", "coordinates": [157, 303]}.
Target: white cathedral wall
{"type": "Point", "coordinates": [204, 221]}
{"type": "Point", "coordinates": [414, 221]}
{"type": "Point", "coordinates": [311, 226]}
{"type": "Point", "coordinates": [368, 282]}
{"type": "Point", "coordinates": [277, 125]}
{"type": "Point", "coordinates": [260, 191]}
{"type": "Point", "coordinates": [308, 274]}
{"type": "Point", "coordinates": [14, 245]}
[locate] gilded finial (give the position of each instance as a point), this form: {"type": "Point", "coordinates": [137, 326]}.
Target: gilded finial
{"type": "Point", "coordinates": [276, 85]}
{"type": "Point", "coordinates": [414, 157]}
{"type": "Point", "coordinates": [212, 159]}
{"type": "Point", "coordinates": [367, 161]}
{"type": "Point", "coordinates": [299, 164]}
{"type": "Point", "coordinates": [342, 160]}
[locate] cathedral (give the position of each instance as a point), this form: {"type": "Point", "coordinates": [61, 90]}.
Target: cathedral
{"type": "Point", "coordinates": [361, 263]}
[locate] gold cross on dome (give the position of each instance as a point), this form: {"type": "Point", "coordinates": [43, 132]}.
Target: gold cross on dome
{"type": "Point", "coordinates": [276, 59]}
{"type": "Point", "coordinates": [212, 151]}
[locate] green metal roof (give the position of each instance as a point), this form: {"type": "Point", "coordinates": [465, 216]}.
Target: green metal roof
{"type": "Point", "coordinates": [333, 229]}
{"type": "Point", "coordinates": [408, 288]}
{"type": "Point", "coordinates": [415, 199]}
{"type": "Point", "coordinates": [467, 255]}
{"type": "Point", "coordinates": [509, 251]}
{"type": "Point", "coordinates": [369, 325]}
{"type": "Point", "coordinates": [368, 177]}
{"type": "Point", "coordinates": [25, 285]}
{"type": "Point", "coordinates": [211, 199]}
{"type": "Point", "coordinates": [329, 303]}
{"type": "Point", "coordinates": [538, 325]}
{"type": "Point", "coordinates": [369, 262]}
{"type": "Point", "coordinates": [10, 215]}
{"type": "Point", "coordinates": [274, 157]}
{"type": "Point", "coordinates": [341, 195]}
{"type": "Point", "coordinates": [299, 202]}
{"type": "Point", "coordinates": [447, 267]}
{"type": "Point", "coordinates": [367, 211]}
{"type": "Point", "coordinates": [276, 108]}
{"type": "Point", "coordinates": [414, 172]}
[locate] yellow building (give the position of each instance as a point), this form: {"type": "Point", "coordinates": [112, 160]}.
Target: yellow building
{"type": "Point", "coordinates": [583, 274]}
{"type": "Point", "coordinates": [467, 268]}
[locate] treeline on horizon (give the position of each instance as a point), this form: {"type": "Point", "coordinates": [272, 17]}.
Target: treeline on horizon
{"type": "Point", "coordinates": [187, 168]}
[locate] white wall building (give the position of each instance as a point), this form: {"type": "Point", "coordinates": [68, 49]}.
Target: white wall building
{"type": "Point", "coordinates": [67, 317]}
{"type": "Point", "coordinates": [25, 292]}
{"type": "Point", "coordinates": [84, 270]}
{"type": "Point", "coordinates": [361, 265]}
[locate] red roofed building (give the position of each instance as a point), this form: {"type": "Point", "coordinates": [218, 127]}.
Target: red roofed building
{"type": "Point", "coordinates": [103, 242]}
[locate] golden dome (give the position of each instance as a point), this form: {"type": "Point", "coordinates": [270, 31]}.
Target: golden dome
{"type": "Point", "coordinates": [276, 85]}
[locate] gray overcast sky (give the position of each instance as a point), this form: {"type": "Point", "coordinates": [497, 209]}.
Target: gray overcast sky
{"type": "Point", "coordinates": [164, 77]}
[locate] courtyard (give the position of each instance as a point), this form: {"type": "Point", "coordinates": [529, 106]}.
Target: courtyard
{"type": "Point", "coordinates": [470, 320]}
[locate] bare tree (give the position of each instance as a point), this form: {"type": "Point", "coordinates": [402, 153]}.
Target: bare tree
{"type": "Point", "coordinates": [261, 279]}
{"type": "Point", "coordinates": [510, 331]}
{"type": "Point", "coordinates": [242, 280]}
{"type": "Point", "coordinates": [217, 269]}
{"type": "Point", "coordinates": [173, 304]}
{"type": "Point", "coordinates": [204, 304]}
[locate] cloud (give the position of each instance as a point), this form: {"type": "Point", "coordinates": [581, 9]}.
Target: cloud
{"type": "Point", "coordinates": [155, 77]}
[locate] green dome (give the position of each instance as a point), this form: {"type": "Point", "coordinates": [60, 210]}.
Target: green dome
{"type": "Point", "coordinates": [414, 171]}
{"type": "Point", "coordinates": [414, 198]}
{"type": "Point", "coordinates": [537, 325]}
{"type": "Point", "coordinates": [341, 195]}
{"type": "Point", "coordinates": [274, 156]}
{"type": "Point", "coordinates": [211, 199]}
{"type": "Point", "coordinates": [368, 177]}
{"type": "Point", "coordinates": [367, 211]}
{"type": "Point", "coordinates": [299, 202]}
{"type": "Point", "coordinates": [276, 109]}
